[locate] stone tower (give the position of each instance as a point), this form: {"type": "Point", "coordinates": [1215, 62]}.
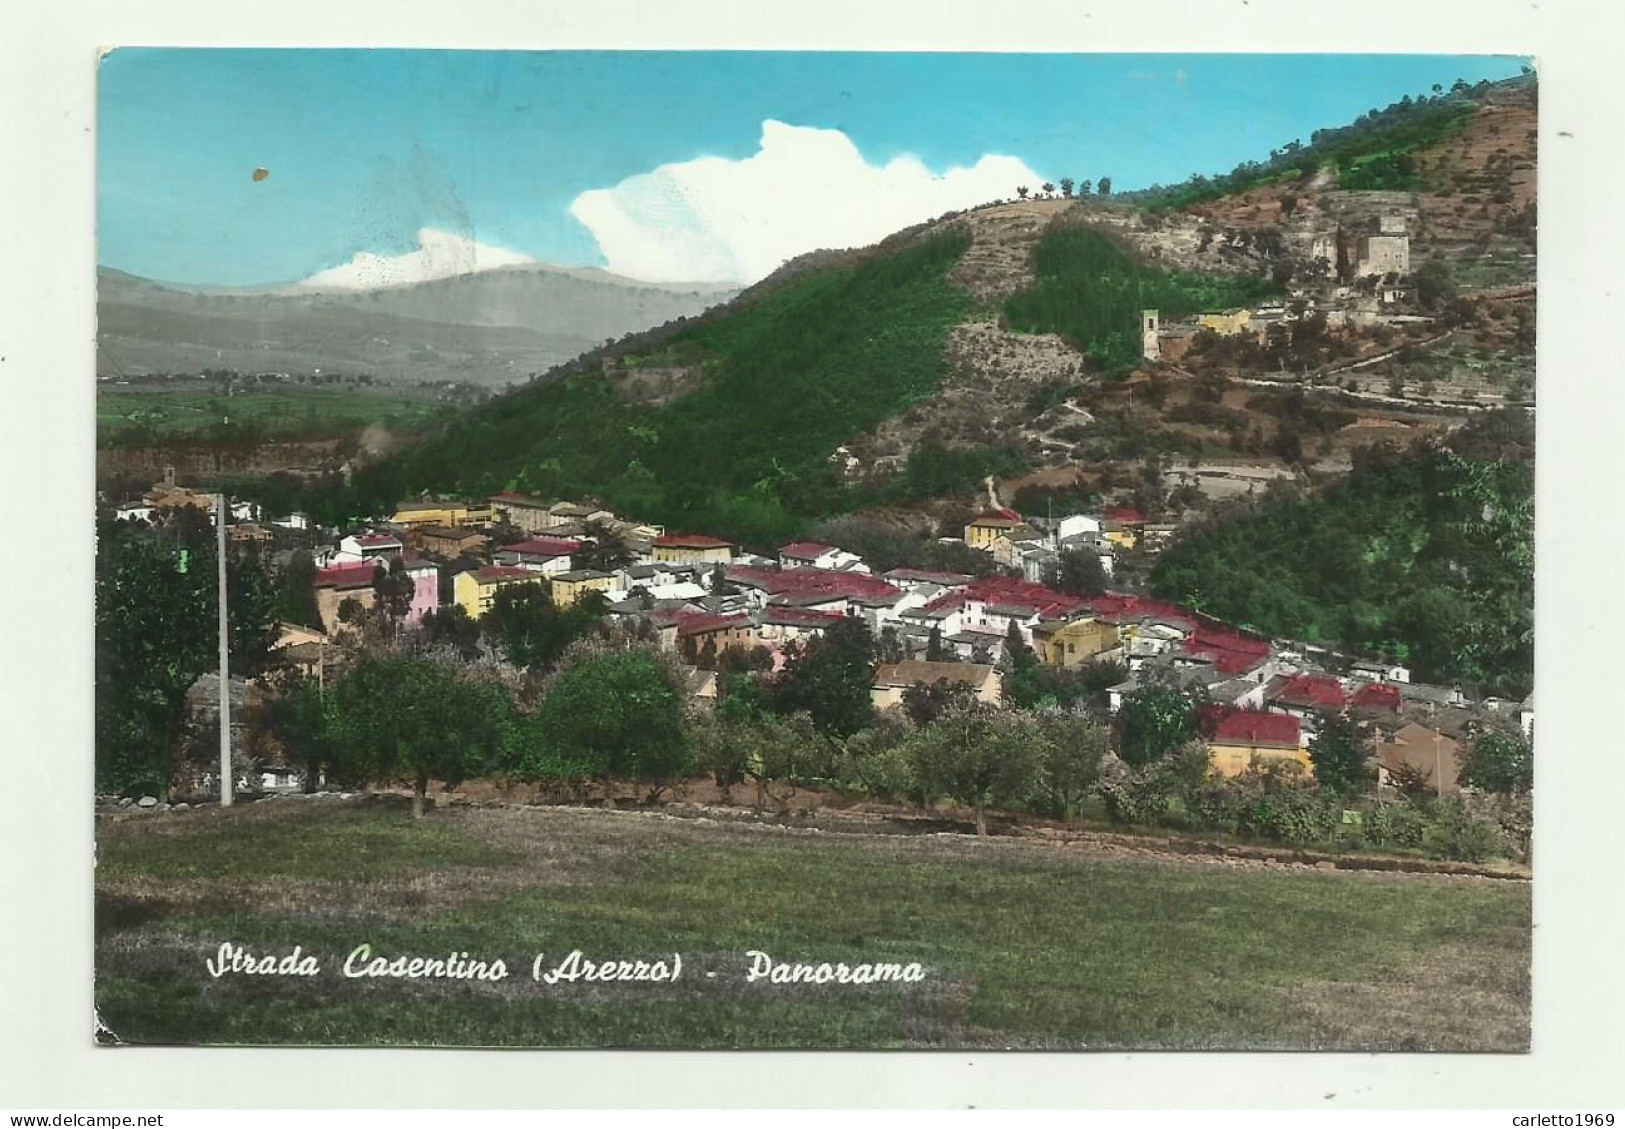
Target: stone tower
{"type": "Point", "coordinates": [1150, 325]}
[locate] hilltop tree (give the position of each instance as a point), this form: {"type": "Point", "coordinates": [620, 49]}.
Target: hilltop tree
{"type": "Point", "coordinates": [1085, 187]}
{"type": "Point", "coordinates": [1104, 186]}
{"type": "Point", "coordinates": [1022, 191]}
{"type": "Point", "coordinates": [1066, 187]}
{"type": "Point", "coordinates": [1047, 188]}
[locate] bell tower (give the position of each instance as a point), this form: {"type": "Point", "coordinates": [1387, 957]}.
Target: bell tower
{"type": "Point", "coordinates": [1150, 326]}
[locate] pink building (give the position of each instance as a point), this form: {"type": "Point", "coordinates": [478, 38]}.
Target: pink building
{"type": "Point", "coordinates": [425, 588]}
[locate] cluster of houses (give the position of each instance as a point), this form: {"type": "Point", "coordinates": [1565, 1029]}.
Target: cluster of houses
{"type": "Point", "coordinates": [700, 595]}
{"type": "Point", "coordinates": [1371, 269]}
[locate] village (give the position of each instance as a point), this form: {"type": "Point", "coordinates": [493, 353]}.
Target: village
{"type": "Point", "coordinates": [701, 596]}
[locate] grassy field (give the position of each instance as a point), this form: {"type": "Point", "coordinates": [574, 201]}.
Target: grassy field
{"type": "Point", "coordinates": [1023, 946]}
{"type": "Point", "coordinates": [182, 414]}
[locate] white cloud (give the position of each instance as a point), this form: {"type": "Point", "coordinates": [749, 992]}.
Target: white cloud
{"type": "Point", "coordinates": [440, 254]}
{"type": "Point", "coordinates": [719, 220]}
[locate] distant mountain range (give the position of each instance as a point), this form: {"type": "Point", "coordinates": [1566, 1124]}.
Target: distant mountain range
{"type": "Point", "coordinates": [490, 328]}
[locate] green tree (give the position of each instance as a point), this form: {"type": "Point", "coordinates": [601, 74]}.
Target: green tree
{"type": "Point", "coordinates": [1071, 749]}
{"type": "Point", "coordinates": [1103, 186]}
{"type": "Point", "coordinates": [1152, 722]}
{"type": "Point", "coordinates": [978, 757]}
{"type": "Point", "coordinates": [1066, 187]}
{"type": "Point", "coordinates": [935, 652]}
{"type": "Point", "coordinates": [831, 679]}
{"type": "Point", "coordinates": [1435, 285]}
{"type": "Point", "coordinates": [1339, 753]}
{"type": "Point", "coordinates": [616, 715]}
{"type": "Point", "coordinates": [155, 633]}
{"type": "Point", "coordinates": [305, 724]}
{"type": "Point", "coordinates": [606, 550]}
{"type": "Point", "coordinates": [926, 702]}
{"type": "Point", "coordinates": [393, 590]}
{"type": "Point", "coordinates": [1023, 682]}
{"type": "Point", "coordinates": [531, 630]}
{"type": "Point", "coordinates": [296, 591]}
{"type": "Point", "coordinates": [408, 718]}
{"type": "Point", "coordinates": [1500, 761]}
{"type": "Point", "coordinates": [1077, 572]}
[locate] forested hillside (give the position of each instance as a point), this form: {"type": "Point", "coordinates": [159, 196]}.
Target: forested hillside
{"type": "Point", "coordinates": [777, 386]}
{"type": "Point", "coordinates": [1091, 292]}
{"type": "Point", "coordinates": [1426, 558]}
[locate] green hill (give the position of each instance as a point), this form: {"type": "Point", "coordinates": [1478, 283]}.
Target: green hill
{"type": "Point", "coordinates": [1428, 559]}
{"type": "Point", "coordinates": [1091, 292]}
{"type": "Point", "coordinates": [780, 381]}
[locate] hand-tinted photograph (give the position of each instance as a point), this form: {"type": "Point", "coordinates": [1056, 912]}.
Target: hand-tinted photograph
{"type": "Point", "coordinates": [797, 550]}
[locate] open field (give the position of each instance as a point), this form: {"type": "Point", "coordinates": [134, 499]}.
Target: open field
{"type": "Point", "coordinates": [177, 413]}
{"type": "Point", "coordinates": [1023, 946]}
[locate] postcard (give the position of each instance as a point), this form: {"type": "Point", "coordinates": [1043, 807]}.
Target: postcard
{"type": "Point", "coordinates": [808, 550]}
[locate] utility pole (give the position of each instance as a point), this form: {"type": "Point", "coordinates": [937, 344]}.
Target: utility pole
{"type": "Point", "coordinates": [226, 777]}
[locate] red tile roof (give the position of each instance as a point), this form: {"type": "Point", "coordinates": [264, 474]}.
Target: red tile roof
{"type": "Point", "coordinates": [691, 541]}
{"type": "Point", "coordinates": [503, 572]}
{"type": "Point", "coordinates": [355, 574]}
{"type": "Point", "coordinates": [1376, 696]}
{"type": "Point", "coordinates": [1125, 515]}
{"type": "Point", "coordinates": [814, 582]}
{"type": "Point", "coordinates": [1232, 652]}
{"type": "Point", "coordinates": [1255, 727]}
{"type": "Point", "coordinates": [702, 623]}
{"type": "Point", "coordinates": [935, 576]}
{"type": "Point", "coordinates": [800, 617]}
{"type": "Point", "coordinates": [1008, 592]}
{"type": "Point", "coordinates": [805, 550]}
{"type": "Point", "coordinates": [377, 539]}
{"type": "Point", "coordinates": [542, 547]}
{"type": "Point", "coordinates": [1316, 691]}
{"type": "Point", "coordinates": [1003, 514]}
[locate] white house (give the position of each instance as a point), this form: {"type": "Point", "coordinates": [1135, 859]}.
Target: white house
{"type": "Point", "coordinates": [811, 554]}
{"type": "Point", "coordinates": [133, 511]}
{"type": "Point", "coordinates": [368, 546]}
{"type": "Point", "coordinates": [1074, 524]}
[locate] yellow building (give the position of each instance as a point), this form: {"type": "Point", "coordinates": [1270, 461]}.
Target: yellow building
{"type": "Point", "coordinates": [691, 548]}
{"type": "Point", "coordinates": [1249, 737]}
{"type": "Point", "coordinates": [989, 527]}
{"type": "Point", "coordinates": [892, 679]}
{"type": "Point", "coordinates": [416, 515]}
{"type": "Point", "coordinates": [568, 587]}
{"type": "Point", "coordinates": [1229, 323]}
{"type": "Point", "coordinates": [1074, 643]}
{"type": "Point", "coordinates": [475, 589]}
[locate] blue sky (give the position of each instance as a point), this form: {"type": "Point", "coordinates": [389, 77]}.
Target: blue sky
{"type": "Point", "coordinates": [367, 147]}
